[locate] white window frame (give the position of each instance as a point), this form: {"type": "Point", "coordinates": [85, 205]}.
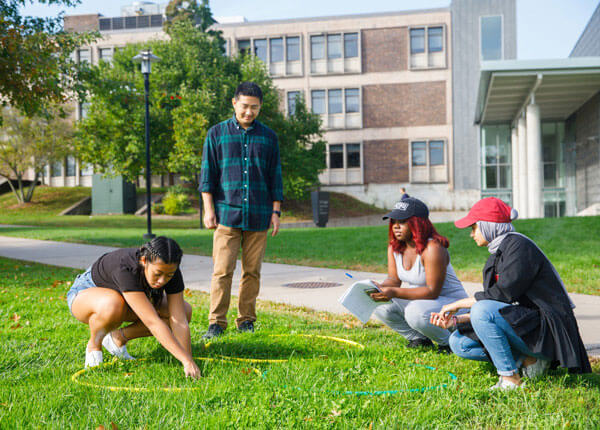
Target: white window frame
{"type": "Point", "coordinates": [286, 64]}
{"type": "Point", "coordinates": [501, 36]}
{"type": "Point", "coordinates": [343, 59]}
{"type": "Point", "coordinates": [327, 118]}
{"type": "Point", "coordinates": [423, 174]}
{"type": "Point", "coordinates": [343, 175]}
{"type": "Point", "coordinates": [426, 53]}
{"type": "Point", "coordinates": [287, 106]}
{"type": "Point", "coordinates": [112, 53]}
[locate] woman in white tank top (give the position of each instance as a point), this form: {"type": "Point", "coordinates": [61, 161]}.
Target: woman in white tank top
{"type": "Point", "coordinates": [420, 277]}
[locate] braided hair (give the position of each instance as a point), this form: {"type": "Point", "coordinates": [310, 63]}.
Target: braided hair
{"type": "Point", "coordinates": [160, 248]}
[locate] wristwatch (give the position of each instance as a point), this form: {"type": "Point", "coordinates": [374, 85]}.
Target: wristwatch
{"type": "Point", "coordinates": [278, 213]}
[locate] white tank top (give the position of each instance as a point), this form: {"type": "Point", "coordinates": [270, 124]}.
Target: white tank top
{"type": "Point", "coordinates": [415, 277]}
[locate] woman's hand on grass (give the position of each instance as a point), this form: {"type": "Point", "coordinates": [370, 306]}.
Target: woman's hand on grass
{"type": "Point", "coordinates": [192, 370]}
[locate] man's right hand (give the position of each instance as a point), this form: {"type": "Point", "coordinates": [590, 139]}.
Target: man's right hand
{"type": "Point", "coordinates": [210, 220]}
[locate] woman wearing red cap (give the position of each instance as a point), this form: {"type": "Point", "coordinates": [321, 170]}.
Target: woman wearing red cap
{"type": "Point", "coordinates": [420, 277]}
{"type": "Point", "coordinates": [523, 316]}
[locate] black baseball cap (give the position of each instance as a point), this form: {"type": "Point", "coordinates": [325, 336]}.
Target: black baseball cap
{"type": "Point", "coordinates": [408, 207]}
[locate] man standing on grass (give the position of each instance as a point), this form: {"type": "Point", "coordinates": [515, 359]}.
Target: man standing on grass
{"type": "Point", "coordinates": [242, 192]}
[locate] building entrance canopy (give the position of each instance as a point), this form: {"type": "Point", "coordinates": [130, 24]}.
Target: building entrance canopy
{"type": "Point", "coordinates": [559, 87]}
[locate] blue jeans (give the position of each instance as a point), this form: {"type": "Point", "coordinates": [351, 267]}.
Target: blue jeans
{"type": "Point", "coordinates": [82, 282]}
{"type": "Point", "coordinates": [502, 343]}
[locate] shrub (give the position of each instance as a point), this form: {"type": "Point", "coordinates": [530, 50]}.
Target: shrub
{"type": "Point", "coordinates": [175, 203]}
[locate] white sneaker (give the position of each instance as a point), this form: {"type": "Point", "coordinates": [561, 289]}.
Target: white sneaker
{"type": "Point", "coordinates": [111, 347]}
{"type": "Point", "coordinates": [536, 369]}
{"type": "Point", "coordinates": [93, 358]}
{"type": "Point", "coordinates": [505, 384]}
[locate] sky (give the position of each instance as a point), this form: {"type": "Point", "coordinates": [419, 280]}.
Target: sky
{"type": "Point", "coordinates": [545, 28]}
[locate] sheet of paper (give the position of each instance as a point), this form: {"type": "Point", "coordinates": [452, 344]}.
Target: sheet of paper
{"type": "Point", "coordinates": [358, 302]}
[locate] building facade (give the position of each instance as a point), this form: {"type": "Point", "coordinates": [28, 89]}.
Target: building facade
{"type": "Point", "coordinates": [396, 91]}
{"type": "Point", "coordinates": [540, 125]}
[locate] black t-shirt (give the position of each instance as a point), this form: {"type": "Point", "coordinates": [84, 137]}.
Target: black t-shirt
{"type": "Point", "coordinates": [121, 271]}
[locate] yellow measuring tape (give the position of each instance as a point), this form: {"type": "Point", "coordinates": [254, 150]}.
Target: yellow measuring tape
{"type": "Point", "coordinates": [76, 375]}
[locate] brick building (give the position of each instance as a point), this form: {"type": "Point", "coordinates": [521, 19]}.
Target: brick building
{"type": "Point", "coordinates": [396, 91]}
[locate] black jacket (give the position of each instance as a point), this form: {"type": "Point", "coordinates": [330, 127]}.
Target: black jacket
{"type": "Point", "coordinates": [541, 314]}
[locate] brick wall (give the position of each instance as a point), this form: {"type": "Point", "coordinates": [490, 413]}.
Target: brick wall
{"type": "Point", "coordinates": [384, 50]}
{"type": "Point", "coordinates": [385, 161]}
{"type": "Point", "coordinates": [404, 105]}
{"type": "Point", "coordinates": [80, 23]}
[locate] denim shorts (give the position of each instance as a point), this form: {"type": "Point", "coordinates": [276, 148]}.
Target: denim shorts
{"type": "Point", "coordinates": [82, 282]}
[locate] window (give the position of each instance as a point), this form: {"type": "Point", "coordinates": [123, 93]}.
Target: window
{"type": "Point", "coordinates": [318, 101]}
{"type": "Point", "coordinates": [276, 50]}
{"type": "Point", "coordinates": [260, 49]}
{"type": "Point", "coordinates": [339, 107]}
{"type": "Point", "coordinates": [554, 165]}
{"type": "Point", "coordinates": [335, 101]}
{"type": "Point", "coordinates": [87, 170]}
{"type": "Point", "coordinates": [419, 153]}
{"type": "Point", "coordinates": [435, 39]}
{"type": "Point", "coordinates": [352, 100]}
{"type": "Point", "coordinates": [344, 164]}
{"type": "Point", "coordinates": [344, 156]}
{"type": "Point", "coordinates": [106, 54]}
{"type": "Point", "coordinates": [491, 38]}
{"type": "Point", "coordinates": [85, 56]}
{"type": "Point", "coordinates": [352, 155]}
{"type": "Point", "coordinates": [71, 166]}
{"type": "Point", "coordinates": [292, 97]}
{"type": "Point", "coordinates": [334, 46]}
{"type": "Point", "coordinates": [334, 53]}
{"type": "Point", "coordinates": [428, 162]}
{"type": "Point", "coordinates": [56, 169]}
{"type": "Point", "coordinates": [427, 47]}
{"type": "Point", "coordinates": [83, 109]}
{"type": "Point", "coordinates": [317, 47]}
{"type": "Point", "coordinates": [336, 156]}
{"type": "Point", "coordinates": [496, 179]}
{"type": "Point", "coordinates": [293, 48]}
{"type": "Point", "coordinates": [351, 45]}
{"type": "Point", "coordinates": [244, 46]}
{"type": "Point", "coordinates": [417, 40]}
{"type": "Point", "coordinates": [281, 54]}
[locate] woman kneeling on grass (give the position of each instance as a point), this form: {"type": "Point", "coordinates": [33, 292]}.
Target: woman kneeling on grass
{"type": "Point", "coordinates": [523, 316]}
{"type": "Point", "coordinates": [420, 277]}
{"type": "Point", "coordinates": [143, 286]}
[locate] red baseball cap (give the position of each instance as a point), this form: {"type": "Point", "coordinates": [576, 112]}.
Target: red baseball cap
{"type": "Point", "coordinates": [488, 209]}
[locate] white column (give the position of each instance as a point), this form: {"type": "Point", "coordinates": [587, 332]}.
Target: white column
{"type": "Point", "coordinates": [514, 144]}
{"type": "Point", "coordinates": [534, 161]}
{"type": "Point", "coordinates": [523, 191]}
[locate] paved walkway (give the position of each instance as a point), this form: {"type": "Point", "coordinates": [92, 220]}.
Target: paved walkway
{"type": "Point", "coordinates": [197, 271]}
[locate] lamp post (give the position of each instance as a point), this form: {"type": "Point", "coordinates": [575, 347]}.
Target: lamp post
{"type": "Point", "coordinates": [147, 58]}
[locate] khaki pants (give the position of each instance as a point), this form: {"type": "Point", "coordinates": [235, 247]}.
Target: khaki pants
{"type": "Point", "coordinates": [226, 246]}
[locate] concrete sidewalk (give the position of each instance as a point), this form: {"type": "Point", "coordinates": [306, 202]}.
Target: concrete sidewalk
{"type": "Point", "coordinates": [197, 271]}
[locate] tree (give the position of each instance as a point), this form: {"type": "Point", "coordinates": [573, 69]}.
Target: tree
{"type": "Point", "coordinates": [191, 90]}
{"type": "Point", "coordinates": [36, 68]}
{"type": "Point", "coordinates": [31, 143]}
{"type": "Point", "coordinates": [301, 145]}
{"type": "Point", "coordinates": [190, 10]}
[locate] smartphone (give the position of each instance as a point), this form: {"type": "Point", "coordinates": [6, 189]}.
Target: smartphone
{"type": "Point", "coordinates": [371, 291]}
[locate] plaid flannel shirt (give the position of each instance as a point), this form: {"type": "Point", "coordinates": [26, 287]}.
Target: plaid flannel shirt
{"type": "Point", "coordinates": [242, 170]}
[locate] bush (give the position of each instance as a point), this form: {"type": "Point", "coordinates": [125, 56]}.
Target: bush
{"type": "Point", "coordinates": [175, 203]}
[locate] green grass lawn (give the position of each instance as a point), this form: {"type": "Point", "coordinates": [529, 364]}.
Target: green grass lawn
{"type": "Point", "coordinates": [48, 202]}
{"type": "Point", "coordinates": [571, 243]}
{"type": "Point", "coordinates": [43, 346]}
